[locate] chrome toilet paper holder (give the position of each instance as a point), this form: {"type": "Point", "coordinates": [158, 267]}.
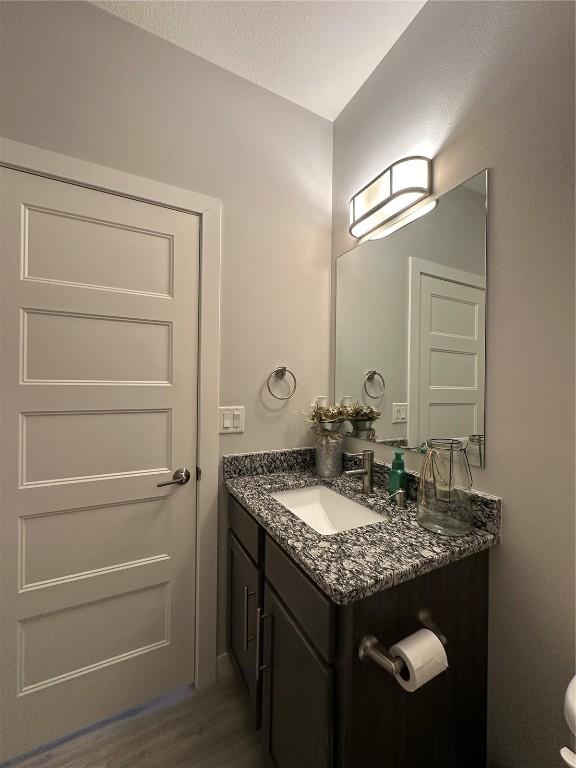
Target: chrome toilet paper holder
{"type": "Point", "coordinates": [371, 648]}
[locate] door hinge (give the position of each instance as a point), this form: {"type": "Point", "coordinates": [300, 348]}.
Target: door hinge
{"type": "Point", "coordinates": [198, 473]}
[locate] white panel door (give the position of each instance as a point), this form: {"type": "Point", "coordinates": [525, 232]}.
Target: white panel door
{"type": "Point", "coordinates": [447, 352]}
{"type": "Point", "coordinates": [99, 308]}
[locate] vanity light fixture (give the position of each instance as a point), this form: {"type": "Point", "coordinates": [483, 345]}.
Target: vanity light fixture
{"type": "Point", "coordinates": [387, 201]}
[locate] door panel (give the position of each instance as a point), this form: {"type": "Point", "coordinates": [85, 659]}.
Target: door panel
{"type": "Point", "coordinates": [92, 349]}
{"type": "Point", "coordinates": [98, 539]}
{"type": "Point", "coordinates": [451, 314]}
{"type": "Point", "coordinates": [110, 443]}
{"type": "Point", "coordinates": [99, 305]}
{"type": "Point", "coordinates": [136, 622]}
{"type": "Point", "coordinates": [297, 693]}
{"type": "Point", "coordinates": [76, 249]}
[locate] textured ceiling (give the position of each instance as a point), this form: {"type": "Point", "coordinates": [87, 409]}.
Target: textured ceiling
{"type": "Point", "coordinates": [316, 54]}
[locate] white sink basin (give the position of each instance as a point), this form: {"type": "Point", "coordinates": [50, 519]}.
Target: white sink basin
{"type": "Point", "coordinates": [325, 510]}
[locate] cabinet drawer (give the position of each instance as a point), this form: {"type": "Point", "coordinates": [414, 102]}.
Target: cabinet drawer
{"type": "Point", "coordinates": [312, 610]}
{"type": "Point", "coordinates": [246, 530]}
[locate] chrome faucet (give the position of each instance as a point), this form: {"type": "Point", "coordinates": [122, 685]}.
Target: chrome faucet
{"type": "Point", "coordinates": [367, 471]}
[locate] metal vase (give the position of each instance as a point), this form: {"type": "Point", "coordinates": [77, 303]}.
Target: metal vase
{"type": "Point", "coordinates": [329, 453]}
{"type": "Point", "coordinates": [362, 425]}
{"type": "Point", "coordinates": [363, 429]}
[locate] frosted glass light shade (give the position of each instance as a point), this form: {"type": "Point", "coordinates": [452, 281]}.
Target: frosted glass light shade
{"type": "Point", "coordinates": [392, 192]}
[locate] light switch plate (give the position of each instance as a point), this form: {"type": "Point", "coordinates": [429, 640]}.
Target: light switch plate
{"type": "Point", "coordinates": [399, 413]}
{"type": "Point", "coordinates": [231, 419]}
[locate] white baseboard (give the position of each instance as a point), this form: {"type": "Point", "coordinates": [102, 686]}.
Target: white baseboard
{"type": "Point", "coordinates": [224, 666]}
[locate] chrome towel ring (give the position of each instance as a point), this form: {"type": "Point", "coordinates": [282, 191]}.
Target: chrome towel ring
{"type": "Point", "coordinates": [370, 375]}
{"type": "Point", "coordinates": [280, 373]}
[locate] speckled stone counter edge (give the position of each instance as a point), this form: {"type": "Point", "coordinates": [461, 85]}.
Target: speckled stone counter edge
{"type": "Point", "coordinates": [267, 462]}
{"type": "Point", "coordinates": [486, 509]}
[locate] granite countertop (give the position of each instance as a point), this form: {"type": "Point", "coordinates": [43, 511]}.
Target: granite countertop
{"type": "Point", "coordinates": [351, 565]}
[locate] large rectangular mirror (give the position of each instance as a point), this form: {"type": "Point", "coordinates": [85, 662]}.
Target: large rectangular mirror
{"type": "Point", "coordinates": [410, 326]}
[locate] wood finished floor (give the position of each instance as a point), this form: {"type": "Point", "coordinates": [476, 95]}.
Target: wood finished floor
{"type": "Point", "coordinates": [209, 729]}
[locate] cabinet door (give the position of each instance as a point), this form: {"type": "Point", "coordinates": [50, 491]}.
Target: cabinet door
{"type": "Point", "coordinates": [244, 595]}
{"type": "Point", "coordinates": [297, 692]}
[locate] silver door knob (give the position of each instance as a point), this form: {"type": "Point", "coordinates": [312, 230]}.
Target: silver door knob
{"type": "Point", "coordinates": [180, 477]}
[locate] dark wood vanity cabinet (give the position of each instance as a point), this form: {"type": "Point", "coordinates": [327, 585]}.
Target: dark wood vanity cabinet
{"type": "Point", "coordinates": [318, 704]}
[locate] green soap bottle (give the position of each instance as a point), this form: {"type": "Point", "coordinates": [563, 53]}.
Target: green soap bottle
{"type": "Point", "coordinates": [397, 479]}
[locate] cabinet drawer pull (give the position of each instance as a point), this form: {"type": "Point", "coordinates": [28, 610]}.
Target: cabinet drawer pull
{"type": "Point", "coordinates": [247, 594]}
{"type": "Point", "coordinates": [259, 621]}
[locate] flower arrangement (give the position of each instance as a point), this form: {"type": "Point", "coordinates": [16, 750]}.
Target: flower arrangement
{"type": "Point", "coordinates": [326, 413]}
{"type": "Point", "coordinates": [323, 415]}
{"type": "Point", "coordinates": [327, 421]}
{"type": "Point", "coordinates": [361, 411]}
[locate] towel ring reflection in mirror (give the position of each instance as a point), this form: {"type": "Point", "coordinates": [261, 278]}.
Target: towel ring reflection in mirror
{"type": "Point", "coordinates": [370, 376]}
{"type": "Point", "coordinates": [280, 373]}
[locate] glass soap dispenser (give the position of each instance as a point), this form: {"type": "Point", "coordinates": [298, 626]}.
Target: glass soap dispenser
{"type": "Point", "coordinates": [444, 498]}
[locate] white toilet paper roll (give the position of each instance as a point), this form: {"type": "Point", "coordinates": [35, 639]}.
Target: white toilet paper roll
{"type": "Point", "coordinates": [424, 657]}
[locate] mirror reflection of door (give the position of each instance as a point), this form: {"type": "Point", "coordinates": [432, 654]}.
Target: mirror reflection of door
{"type": "Point", "coordinates": [446, 352]}
{"type": "Point", "coordinates": [422, 329]}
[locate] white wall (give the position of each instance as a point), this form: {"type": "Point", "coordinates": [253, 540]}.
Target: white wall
{"type": "Point", "coordinates": [491, 84]}
{"type": "Point", "coordinates": [79, 81]}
